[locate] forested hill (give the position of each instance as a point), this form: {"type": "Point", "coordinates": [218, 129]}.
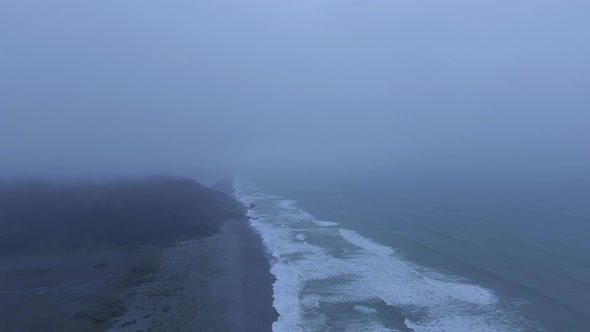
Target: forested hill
{"type": "Point", "coordinates": [51, 217]}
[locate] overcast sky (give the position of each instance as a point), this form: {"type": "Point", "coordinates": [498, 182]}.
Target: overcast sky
{"type": "Point", "coordinates": [116, 87]}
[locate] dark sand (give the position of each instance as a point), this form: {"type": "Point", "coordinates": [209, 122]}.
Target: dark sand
{"type": "Point", "coordinates": [44, 292]}
{"type": "Point", "coordinates": [247, 281]}
{"type": "Point", "coordinates": [218, 283]}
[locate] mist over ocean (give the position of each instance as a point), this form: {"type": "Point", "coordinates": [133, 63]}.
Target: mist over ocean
{"type": "Point", "coordinates": [391, 253]}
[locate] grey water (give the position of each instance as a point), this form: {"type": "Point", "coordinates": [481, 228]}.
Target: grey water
{"type": "Point", "coordinates": [529, 243]}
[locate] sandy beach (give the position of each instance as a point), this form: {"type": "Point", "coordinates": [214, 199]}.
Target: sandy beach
{"type": "Point", "coordinates": [217, 283]}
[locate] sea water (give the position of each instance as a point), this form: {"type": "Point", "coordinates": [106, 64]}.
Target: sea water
{"type": "Point", "coordinates": [359, 259]}
{"type": "Point", "coordinates": [423, 272]}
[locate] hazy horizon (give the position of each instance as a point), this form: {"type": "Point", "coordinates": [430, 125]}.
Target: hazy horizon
{"type": "Point", "coordinates": [115, 88]}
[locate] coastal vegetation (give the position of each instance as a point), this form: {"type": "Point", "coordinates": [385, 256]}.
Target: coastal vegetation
{"type": "Point", "coordinates": [49, 217]}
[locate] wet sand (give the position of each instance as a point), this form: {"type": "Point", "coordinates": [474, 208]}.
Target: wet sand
{"type": "Point", "coordinates": [247, 281]}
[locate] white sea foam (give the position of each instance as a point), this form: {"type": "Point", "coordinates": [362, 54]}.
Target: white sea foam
{"type": "Point", "coordinates": [411, 324]}
{"type": "Point", "coordinates": [287, 203]}
{"type": "Point", "coordinates": [456, 323]}
{"type": "Point", "coordinates": [367, 244]}
{"type": "Point", "coordinates": [305, 214]}
{"type": "Point", "coordinates": [325, 223]}
{"type": "Point", "coordinates": [464, 292]}
{"type": "Point", "coordinates": [368, 272]}
{"type": "Point", "coordinates": [364, 309]}
{"type": "Point", "coordinates": [371, 326]}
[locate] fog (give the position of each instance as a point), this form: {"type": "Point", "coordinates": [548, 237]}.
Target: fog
{"type": "Point", "coordinates": [109, 88]}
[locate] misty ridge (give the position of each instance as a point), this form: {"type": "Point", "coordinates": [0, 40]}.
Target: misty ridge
{"type": "Point", "coordinates": [131, 253]}
{"type": "Point", "coordinates": [38, 217]}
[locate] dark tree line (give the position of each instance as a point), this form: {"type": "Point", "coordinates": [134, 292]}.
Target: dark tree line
{"type": "Point", "coordinates": [51, 217]}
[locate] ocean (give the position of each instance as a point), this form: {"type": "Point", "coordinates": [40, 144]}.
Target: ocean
{"type": "Point", "coordinates": [388, 255]}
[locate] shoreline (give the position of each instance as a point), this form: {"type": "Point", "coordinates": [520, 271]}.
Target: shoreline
{"type": "Point", "coordinates": [246, 279]}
